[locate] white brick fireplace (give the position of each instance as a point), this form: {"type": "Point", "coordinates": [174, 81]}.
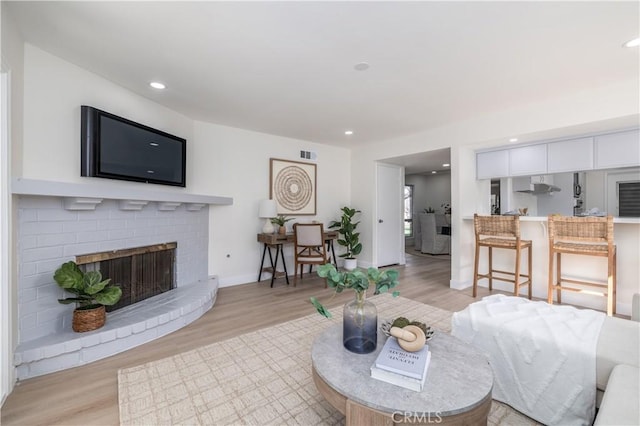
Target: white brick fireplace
{"type": "Point", "coordinates": [58, 221]}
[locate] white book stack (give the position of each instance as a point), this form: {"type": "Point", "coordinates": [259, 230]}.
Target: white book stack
{"type": "Point", "coordinates": [401, 368]}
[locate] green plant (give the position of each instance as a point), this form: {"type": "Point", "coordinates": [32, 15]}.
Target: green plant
{"type": "Point", "coordinates": [347, 228]}
{"type": "Point", "coordinates": [402, 322]}
{"type": "Point", "coordinates": [280, 220]}
{"type": "Point", "coordinates": [355, 280]}
{"type": "Point", "coordinates": [429, 210]}
{"type": "Point", "coordinates": [89, 289]}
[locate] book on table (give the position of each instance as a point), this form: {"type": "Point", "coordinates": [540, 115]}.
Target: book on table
{"type": "Point", "coordinates": [400, 380]}
{"type": "Point", "coordinates": [399, 367]}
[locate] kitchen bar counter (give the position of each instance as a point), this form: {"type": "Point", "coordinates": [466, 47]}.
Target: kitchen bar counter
{"type": "Point", "coordinates": [627, 239]}
{"type": "Point", "coordinates": [544, 219]}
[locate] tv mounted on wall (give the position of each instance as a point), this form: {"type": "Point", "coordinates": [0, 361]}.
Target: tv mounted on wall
{"type": "Point", "coordinates": [116, 148]}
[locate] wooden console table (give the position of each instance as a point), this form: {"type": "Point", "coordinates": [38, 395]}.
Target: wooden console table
{"type": "Point", "coordinates": [278, 241]}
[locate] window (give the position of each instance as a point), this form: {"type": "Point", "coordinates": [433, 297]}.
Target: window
{"type": "Point", "coordinates": [628, 199]}
{"type": "Point", "coordinates": [408, 210]}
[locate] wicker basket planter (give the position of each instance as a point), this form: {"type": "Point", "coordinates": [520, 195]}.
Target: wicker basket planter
{"type": "Point", "coordinates": [90, 295]}
{"type": "Point", "coordinates": [88, 319]}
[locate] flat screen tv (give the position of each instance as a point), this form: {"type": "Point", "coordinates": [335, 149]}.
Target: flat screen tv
{"type": "Point", "coordinates": [116, 148]}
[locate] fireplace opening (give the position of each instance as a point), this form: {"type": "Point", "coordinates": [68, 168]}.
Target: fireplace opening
{"type": "Point", "coordinates": [141, 272]}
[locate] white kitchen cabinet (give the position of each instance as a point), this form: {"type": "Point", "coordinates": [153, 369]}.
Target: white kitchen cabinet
{"type": "Point", "coordinates": [528, 160]}
{"type": "Point", "coordinates": [570, 156]}
{"type": "Point", "coordinates": [617, 150]}
{"type": "Point", "coordinates": [492, 164]}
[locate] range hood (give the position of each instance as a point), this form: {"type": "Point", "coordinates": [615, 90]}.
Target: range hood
{"type": "Point", "coordinates": [540, 188]}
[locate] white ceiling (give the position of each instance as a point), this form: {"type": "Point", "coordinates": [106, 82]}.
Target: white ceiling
{"type": "Point", "coordinates": [287, 68]}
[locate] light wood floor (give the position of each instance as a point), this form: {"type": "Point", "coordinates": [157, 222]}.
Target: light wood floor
{"type": "Point", "coordinates": [88, 395]}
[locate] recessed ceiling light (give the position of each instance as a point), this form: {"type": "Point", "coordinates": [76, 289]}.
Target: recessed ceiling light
{"type": "Point", "coordinates": [633, 43]}
{"type": "Point", "coordinates": [348, 132]}
{"type": "Point", "coordinates": [433, 172]}
{"type": "Point", "coordinates": [362, 66]}
{"type": "Point", "coordinates": [446, 165]}
{"type": "Point", "coordinates": [513, 140]}
{"type": "Point", "coordinates": [157, 85]}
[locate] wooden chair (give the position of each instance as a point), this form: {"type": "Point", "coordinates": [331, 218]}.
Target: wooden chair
{"type": "Point", "coordinates": [310, 246]}
{"type": "Point", "coordinates": [501, 232]}
{"type": "Point", "coordinates": [586, 236]}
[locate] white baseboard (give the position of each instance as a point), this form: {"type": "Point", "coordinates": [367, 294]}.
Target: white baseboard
{"type": "Point", "coordinates": [460, 285]}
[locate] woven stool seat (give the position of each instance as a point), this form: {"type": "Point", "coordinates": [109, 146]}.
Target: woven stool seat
{"type": "Point", "coordinates": [585, 236]}
{"type": "Point", "coordinates": [503, 243]}
{"type": "Point", "coordinates": [502, 232]}
{"type": "Point", "coordinates": [579, 248]}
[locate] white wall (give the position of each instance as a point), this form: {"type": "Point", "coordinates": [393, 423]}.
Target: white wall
{"type": "Point", "coordinates": [54, 90]}
{"type": "Point", "coordinates": [594, 190]}
{"type": "Point", "coordinates": [11, 64]}
{"type": "Point", "coordinates": [221, 160]}
{"type": "Point", "coordinates": [5, 240]}
{"type": "Point", "coordinates": [47, 93]}
{"type": "Point", "coordinates": [235, 162]}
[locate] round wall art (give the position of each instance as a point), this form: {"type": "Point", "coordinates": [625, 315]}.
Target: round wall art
{"type": "Point", "coordinates": [293, 187]}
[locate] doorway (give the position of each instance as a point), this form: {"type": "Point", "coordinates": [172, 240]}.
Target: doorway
{"type": "Point", "coordinates": [428, 175]}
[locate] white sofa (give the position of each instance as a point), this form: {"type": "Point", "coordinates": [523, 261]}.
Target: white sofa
{"type": "Point", "coordinates": [617, 361]}
{"type": "Point", "coordinates": [618, 373]}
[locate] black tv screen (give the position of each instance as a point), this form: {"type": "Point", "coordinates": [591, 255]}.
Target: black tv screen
{"type": "Point", "coordinates": [116, 148]}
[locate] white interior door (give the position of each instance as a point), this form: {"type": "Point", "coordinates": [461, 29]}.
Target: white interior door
{"type": "Point", "coordinates": [389, 201]}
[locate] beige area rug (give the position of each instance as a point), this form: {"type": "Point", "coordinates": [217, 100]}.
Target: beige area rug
{"type": "Point", "coordinates": [258, 378]}
{"type": "Point", "coordinates": [413, 252]}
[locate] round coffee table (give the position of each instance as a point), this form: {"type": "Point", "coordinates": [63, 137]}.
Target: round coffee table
{"type": "Point", "coordinates": [457, 390]}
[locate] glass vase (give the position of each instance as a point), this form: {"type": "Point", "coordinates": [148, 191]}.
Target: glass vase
{"type": "Point", "coordinates": [360, 325]}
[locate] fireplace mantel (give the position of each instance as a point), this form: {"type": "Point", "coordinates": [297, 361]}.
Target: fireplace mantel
{"type": "Point", "coordinates": [85, 196]}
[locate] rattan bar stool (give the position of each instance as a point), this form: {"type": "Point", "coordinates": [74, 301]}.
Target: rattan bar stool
{"type": "Point", "coordinates": [501, 232]}
{"type": "Point", "coordinates": [587, 236]}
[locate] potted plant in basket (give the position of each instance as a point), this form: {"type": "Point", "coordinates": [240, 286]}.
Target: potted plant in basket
{"type": "Point", "coordinates": [91, 294]}
{"type": "Point", "coordinates": [350, 238]}
{"type": "Point", "coordinates": [360, 320]}
{"type": "Point", "coordinates": [280, 220]}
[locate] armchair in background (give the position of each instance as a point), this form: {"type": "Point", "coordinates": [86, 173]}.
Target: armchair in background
{"type": "Point", "coordinates": [433, 242]}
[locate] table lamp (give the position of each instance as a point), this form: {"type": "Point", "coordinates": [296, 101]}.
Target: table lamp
{"type": "Point", "coordinates": [267, 210]}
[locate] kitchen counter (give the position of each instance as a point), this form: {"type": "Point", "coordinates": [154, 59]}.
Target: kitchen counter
{"type": "Point", "coordinates": [544, 219]}
{"type": "Point", "coordinates": [534, 228]}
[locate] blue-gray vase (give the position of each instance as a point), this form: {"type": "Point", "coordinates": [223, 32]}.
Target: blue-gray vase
{"type": "Point", "coordinates": [360, 325]}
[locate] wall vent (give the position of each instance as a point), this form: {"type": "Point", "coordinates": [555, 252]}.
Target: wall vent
{"type": "Point", "coordinates": [309, 155]}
